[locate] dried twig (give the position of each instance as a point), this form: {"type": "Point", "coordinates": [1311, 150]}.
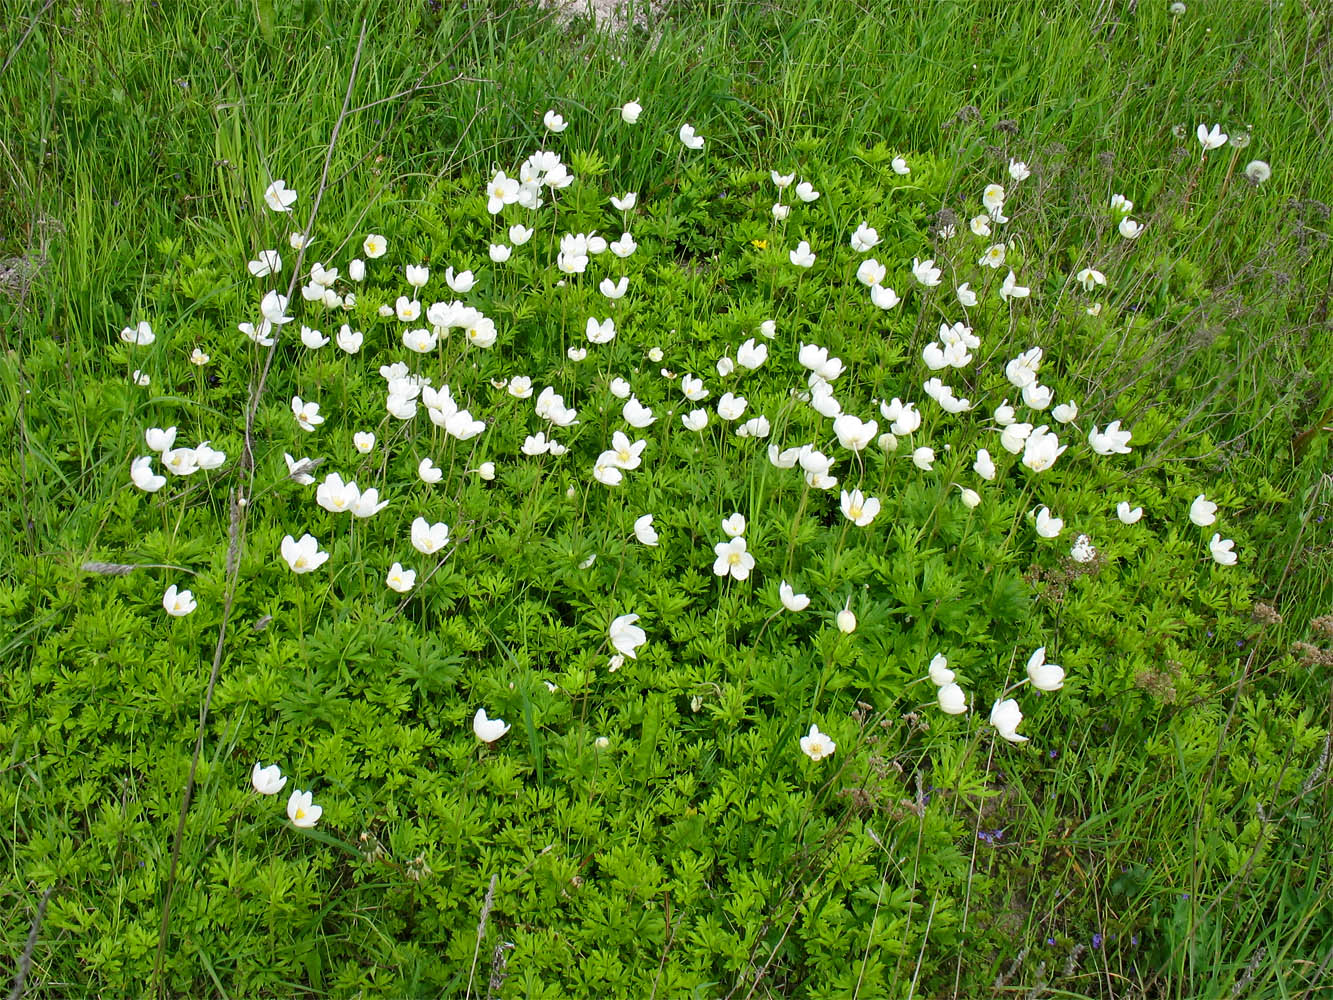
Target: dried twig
{"type": "Point", "coordinates": [25, 960]}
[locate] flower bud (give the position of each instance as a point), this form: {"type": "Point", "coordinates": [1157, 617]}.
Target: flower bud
{"type": "Point", "coordinates": [846, 621]}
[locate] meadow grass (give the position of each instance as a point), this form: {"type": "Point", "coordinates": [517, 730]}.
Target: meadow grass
{"type": "Point", "coordinates": [1165, 834]}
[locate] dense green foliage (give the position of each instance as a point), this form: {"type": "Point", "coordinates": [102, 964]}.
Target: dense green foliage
{"type": "Point", "coordinates": [649, 825]}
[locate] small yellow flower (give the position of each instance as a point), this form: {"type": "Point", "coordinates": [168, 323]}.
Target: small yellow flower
{"type": "Point", "coordinates": [759, 244]}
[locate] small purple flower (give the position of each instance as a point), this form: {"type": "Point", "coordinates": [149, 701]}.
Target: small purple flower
{"type": "Point", "coordinates": [1096, 940]}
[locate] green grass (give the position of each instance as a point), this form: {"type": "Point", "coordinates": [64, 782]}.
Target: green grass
{"type": "Point", "coordinates": [1172, 802]}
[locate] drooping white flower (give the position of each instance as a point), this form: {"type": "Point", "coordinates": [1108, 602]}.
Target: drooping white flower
{"type": "Point", "coordinates": [1222, 550]}
{"type": "Point", "coordinates": [690, 138]}
{"type": "Point", "coordinates": [630, 111]}
{"type": "Point", "coordinates": [644, 531]}
{"type": "Point", "coordinates": [1126, 514]}
{"type": "Point", "coordinates": [1048, 526]}
{"type": "Point", "coordinates": [625, 636]}
{"type": "Point", "coordinates": [806, 192]}
{"type": "Point", "coordinates": [1006, 717]}
{"type": "Point", "coordinates": [486, 729]}
{"type": "Point", "coordinates": [791, 600]}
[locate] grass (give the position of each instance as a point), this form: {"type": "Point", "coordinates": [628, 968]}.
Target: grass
{"type": "Point", "coordinates": [1170, 838]}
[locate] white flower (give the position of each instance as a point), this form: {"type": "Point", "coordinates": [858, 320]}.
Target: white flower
{"type": "Point", "coordinates": [993, 257]}
{"type": "Point", "coordinates": [1066, 412]}
{"type": "Point", "coordinates": [846, 621]}
{"type": "Point", "coordinates": [406, 309]}
{"type": "Point", "coordinates": [301, 809]}
{"type": "Point", "coordinates": [267, 780]}
{"type": "Point", "coordinates": [750, 355]}
{"type": "Point", "coordinates": [349, 340]}
{"type": "Point", "coordinates": [488, 730]}
{"type": "Point", "coordinates": [731, 406]}
{"type": "Point", "coordinates": [1203, 511]}
{"type": "Point", "coordinates": [307, 414]}
{"type": "Point", "coordinates": [871, 272]}
{"type": "Point", "coordinates": [884, 297]}
{"type": "Point", "coordinates": [198, 357]}
{"type": "Point", "coordinates": [1126, 515]}
{"type": "Point", "coordinates": [695, 420]}
{"type": "Point", "coordinates": [1258, 171]}
{"type": "Point", "coordinates": [279, 196]}
{"type": "Point", "coordinates": [643, 530]}
{"type": "Point", "coordinates": [554, 122]}
{"type": "Point", "coordinates": [624, 246]}
{"type": "Point", "coordinates": [1130, 229]}
{"type": "Point", "coordinates": [600, 333]}
{"type": "Point", "coordinates": [966, 297]}
{"type": "Point", "coordinates": [1048, 526]}
{"type": "Point", "coordinates": [689, 138]}
{"type": "Point", "coordinates": [864, 239]}
{"type": "Point", "coordinates": [802, 256]}
{"type": "Point", "coordinates": [364, 441]}
{"type": "Point", "coordinates": [817, 745]}
{"type": "Point", "coordinates": [1018, 170]}
{"type": "Point", "coordinates": [1005, 717]}
{"type": "Point", "coordinates": [900, 166]}
{"type": "Point", "coordinates": [993, 198]}
{"type": "Point", "coordinates": [755, 427]}
{"type": "Point", "coordinates": [924, 458]}
{"type": "Point", "coordinates": [179, 603]}
{"type": "Point", "coordinates": [781, 180]}
{"type": "Point", "coordinates": [519, 234]}
{"type": "Point", "coordinates": [734, 526]}
{"type": "Point", "coordinates": [266, 263]}
{"type": "Point", "coordinates": [1090, 278]}
{"type": "Point", "coordinates": [858, 508]}
{"type": "Point", "coordinates": [853, 433]}
{"type": "Point", "coordinates": [1121, 205]}
{"type": "Point", "coordinates": [429, 538]}
{"type": "Point", "coordinates": [1211, 138]}
{"type": "Point", "coordinates": [806, 192]}
{"type": "Point", "coordinates": [1112, 441]}
{"type": "Point", "coordinates": [791, 600]}
{"type": "Point", "coordinates": [926, 272]}
{"type": "Point", "coordinates": [399, 579]}
{"type": "Point", "coordinates": [780, 211]}
{"type": "Point", "coordinates": [1011, 289]}
{"type": "Point", "coordinates": [461, 283]}
{"type": "Point", "coordinates": [971, 498]}
{"type": "Point", "coordinates": [984, 466]}
{"type": "Point", "coordinates": [486, 470]}
{"type": "Point", "coordinates": [1221, 549]}
{"type": "Point", "coordinates": [297, 241]}
{"type": "Point", "coordinates": [160, 440]}
{"type": "Point", "coordinates": [142, 475]}
{"type": "Point", "coordinates": [1037, 396]}
{"type": "Point", "coordinates": [313, 339]}
{"type": "Point", "coordinates": [1083, 550]}
{"type": "Point", "coordinates": [952, 699]}
{"type": "Point", "coordinates": [303, 556]}
{"type": "Point", "coordinates": [630, 112]}
{"type": "Point", "coordinates": [1044, 676]}
{"type": "Point", "coordinates": [614, 289]}
{"type": "Point", "coordinates": [625, 636]}
{"type": "Point", "coordinates": [693, 388]}
{"type": "Point", "coordinates": [429, 472]}
{"type": "Point", "coordinates": [980, 224]}
{"type": "Point", "coordinates": [625, 203]}
{"type": "Point", "coordinates": [636, 414]}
